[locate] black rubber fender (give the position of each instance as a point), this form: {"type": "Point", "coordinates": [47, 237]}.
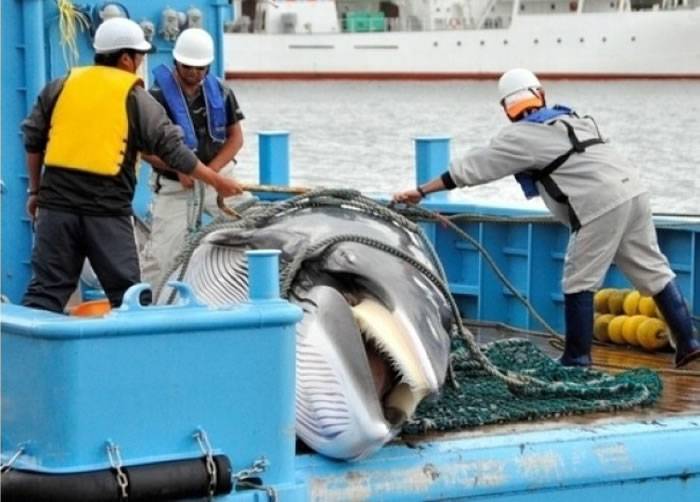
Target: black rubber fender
{"type": "Point", "coordinates": [174, 480]}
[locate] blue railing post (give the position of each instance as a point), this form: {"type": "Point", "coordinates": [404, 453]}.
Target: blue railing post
{"type": "Point", "coordinates": [273, 150]}
{"type": "Point", "coordinates": [223, 12]}
{"type": "Point", "coordinates": [263, 274]}
{"type": "Point", "coordinates": [432, 158]}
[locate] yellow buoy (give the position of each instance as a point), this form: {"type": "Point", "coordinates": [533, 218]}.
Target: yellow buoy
{"type": "Point", "coordinates": [600, 327]}
{"type": "Point", "coordinates": [629, 328]}
{"type": "Point", "coordinates": [652, 334]}
{"type": "Point", "coordinates": [600, 300]}
{"type": "Point", "coordinates": [647, 306]}
{"type": "Point", "coordinates": [615, 301]}
{"type": "Point", "coordinates": [615, 328]}
{"type": "Point", "coordinates": [631, 303]}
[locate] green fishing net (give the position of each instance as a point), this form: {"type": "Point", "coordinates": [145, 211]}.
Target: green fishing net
{"type": "Point", "coordinates": [485, 399]}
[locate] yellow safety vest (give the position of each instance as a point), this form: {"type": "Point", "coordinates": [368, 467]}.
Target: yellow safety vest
{"type": "Point", "coordinates": [89, 124]}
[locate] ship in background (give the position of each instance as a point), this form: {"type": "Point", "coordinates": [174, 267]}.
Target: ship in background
{"type": "Point", "coordinates": [436, 39]}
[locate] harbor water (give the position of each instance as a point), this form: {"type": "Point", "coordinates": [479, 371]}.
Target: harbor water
{"type": "Point", "coordinates": [358, 134]}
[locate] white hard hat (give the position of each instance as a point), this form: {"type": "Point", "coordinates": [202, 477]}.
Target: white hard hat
{"type": "Point", "coordinates": [119, 33]}
{"type": "Point", "coordinates": [194, 47]}
{"type": "Point", "coordinates": [518, 79]}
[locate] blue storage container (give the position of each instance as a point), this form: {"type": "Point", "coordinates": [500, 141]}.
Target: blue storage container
{"type": "Point", "coordinates": [146, 379]}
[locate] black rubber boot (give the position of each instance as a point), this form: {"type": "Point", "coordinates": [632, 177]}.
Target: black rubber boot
{"type": "Point", "coordinates": [578, 315]}
{"type": "Point", "coordinates": [675, 311]}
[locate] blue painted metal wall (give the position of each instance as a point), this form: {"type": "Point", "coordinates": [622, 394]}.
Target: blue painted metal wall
{"type": "Point", "coordinates": [18, 90]}
{"type": "Point", "coordinates": [532, 256]}
{"type": "Point", "coordinates": [31, 47]}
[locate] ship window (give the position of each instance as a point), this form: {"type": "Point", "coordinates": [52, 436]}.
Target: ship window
{"type": "Point", "coordinates": [505, 42]}
{"type": "Point", "coordinates": [535, 41]}
{"type": "Point", "coordinates": [580, 39]}
{"type": "Point", "coordinates": [522, 6]}
{"type": "Point", "coordinates": [633, 39]}
{"type": "Point", "coordinates": [459, 43]}
{"type": "Point", "coordinates": [605, 39]}
{"type": "Point", "coordinates": [558, 40]}
{"type": "Point", "coordinates": [481, 42]}
{"type": "Point", "coordinates": [552, 6]}
{"type": "Point", "coordinates": [435, 44]}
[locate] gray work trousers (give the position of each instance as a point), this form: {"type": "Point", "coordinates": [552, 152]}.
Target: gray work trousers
{"type": "Point", "coordinates": [625, 236]}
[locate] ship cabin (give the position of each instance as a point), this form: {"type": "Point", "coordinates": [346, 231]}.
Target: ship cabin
{"type": "Point", "coordinates": [366, 16]}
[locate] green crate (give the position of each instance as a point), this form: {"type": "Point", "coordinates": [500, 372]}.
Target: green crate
{"type": "Point", "coordinates": [364, 21]}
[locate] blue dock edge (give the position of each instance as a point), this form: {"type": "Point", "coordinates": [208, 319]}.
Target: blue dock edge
{"type": "Point", "coordinates": [641, 461]}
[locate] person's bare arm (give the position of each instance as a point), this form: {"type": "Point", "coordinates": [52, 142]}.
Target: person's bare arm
{"type": "Point", "coordinates": [224, 185]}
{"type": "Point", "coordinates": [414, 195]}
{"type": "Point", "coordinates": [232, 145]}
{"type": "Point", "coordinates": [156, 161]}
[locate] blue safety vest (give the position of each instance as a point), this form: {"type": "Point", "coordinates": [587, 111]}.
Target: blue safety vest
{"type": "Point", "coordinates": [177, 105]}
{"type": "Point", "coordinates": [526, 181]}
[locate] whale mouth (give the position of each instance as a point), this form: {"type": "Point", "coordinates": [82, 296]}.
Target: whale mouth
{"type": "Point", "coordinates": [398, 376]}
{"type": "Point", "coordinates": [354, 385]}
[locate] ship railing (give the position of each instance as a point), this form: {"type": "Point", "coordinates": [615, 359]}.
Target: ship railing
{"type": "Point", "coordinates": [486, 14]}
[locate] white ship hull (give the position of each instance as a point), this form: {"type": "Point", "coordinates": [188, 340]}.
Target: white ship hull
{"type": "Point", "coordinates": [645, 44]}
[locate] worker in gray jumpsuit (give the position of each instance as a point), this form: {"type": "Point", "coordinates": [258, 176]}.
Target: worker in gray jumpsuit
{"type": "Point", "coordinates": [588, 186]}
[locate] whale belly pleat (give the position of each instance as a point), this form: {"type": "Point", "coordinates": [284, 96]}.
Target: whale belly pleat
{"type": "Point", "coordinates": [320, 405]}
{"type": "Point", "coordinates": [222, 277]}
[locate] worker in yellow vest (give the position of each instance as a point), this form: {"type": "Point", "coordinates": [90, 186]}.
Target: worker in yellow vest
{"type": "Point", "coordinates": [86, 129]}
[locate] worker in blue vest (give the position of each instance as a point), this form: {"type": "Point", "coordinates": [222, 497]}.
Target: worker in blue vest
{"type": "Point", "coordinates": [209, 114]}
{"type": "Point", "coordinates": [86, 130]}
{"type": "Point", "coordinates": [588, 186]}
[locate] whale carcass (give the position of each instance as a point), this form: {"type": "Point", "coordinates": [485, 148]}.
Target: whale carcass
{"type": "Point", "coordinates": [374, 340]}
